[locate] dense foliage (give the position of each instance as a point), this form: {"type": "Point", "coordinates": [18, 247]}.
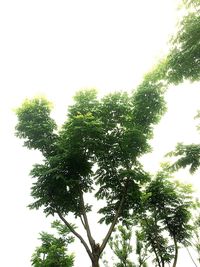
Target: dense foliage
{"type": "Point", "coordinates": [162, 226]}
{"type": "Point", "coordinates": [166, 217]}
{"type": "Point", "coordinates": [96, 150]}
{"type": "Point", "coordinates": [183, 59]}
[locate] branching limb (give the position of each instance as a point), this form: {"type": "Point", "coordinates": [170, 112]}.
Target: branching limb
{"type": "Point", "coordinates": [105, 241]}
{"type": "Point", "coordinates": [76, 234]}
{"type": "Point", "coordinates": [86, 223]}
{"type": "Point", "coordinates": [82, 221]}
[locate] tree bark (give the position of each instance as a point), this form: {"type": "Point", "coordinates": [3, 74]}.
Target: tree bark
{"type": "Point", "coordinates": [76, 234]}
{"type": "Point", "coordinates": [86, 223]}
{"type": "Point", "coordinates": [95, 263]}
{"type": "Point", "coordinates": [176, 252]}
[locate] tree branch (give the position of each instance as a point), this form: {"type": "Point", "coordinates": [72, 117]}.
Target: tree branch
{"type": "Point", "coordinates": [87, 227]}
{"type": "Point", "coordinates": [76, 234]}
{"type": "Point", "coordinates": [82, 221]}
{"type": "Point", "coordinates": [159, 261]}
{"type": "Point", "coordinates": [105, 241]}
{"type": "Point", "coordinates": [176, 251]}
{"type": "Point", "coordinates": [191, 257]}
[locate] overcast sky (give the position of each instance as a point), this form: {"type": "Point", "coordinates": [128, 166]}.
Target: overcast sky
{"type": "Point", "coordinates": [54, 48]}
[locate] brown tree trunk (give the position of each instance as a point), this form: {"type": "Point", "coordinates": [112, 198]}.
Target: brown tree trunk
{"type": "Point", "coordinates": [95, 262]}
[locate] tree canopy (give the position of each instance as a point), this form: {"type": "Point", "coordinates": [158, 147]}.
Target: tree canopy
{"type": "Point", "coordinates": [96, 151]}
{"type": "Point", "coordinates": [183, 59]}
{"type": "Point", "coordinates": [166, 217]}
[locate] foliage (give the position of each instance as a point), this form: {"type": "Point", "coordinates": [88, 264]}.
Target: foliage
{"type": "Point", "coordinates": [191, 3]}
{"type": "Point", "coordinates": [188, 155]}
{"type": "Point", "coordinates": [184, 57]}
{"type": "Point", "coordinates": [182, 61]}
{"type": "Point", "coordinates": [37, 130]}
{"type": "Point", "coordinates": [121, 246]}
{"type": "Point", "coordinates": [98, 147]}
{"type": "Point", "coordinates": [141, 249]}
{"type": "Point", "coordinates": [166, 216]}
{"type": "Point", "coordinates": [97, 151]}
{"type": "Point", "coordinates": [53, 250]}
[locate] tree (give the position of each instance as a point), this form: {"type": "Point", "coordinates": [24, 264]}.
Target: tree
{"type": "Point", "coordinates": [121, 246]}
{"type": "Point", "coordinates": [156, 241]}
{"type": "Point", "coordinates": [53, 250]}
{"type": "Point", "coordinates": [141, 249]}
{"type": "Point", "coordinates": [165, 220]}
{"type": "Point", "coordinates": [96, 151]}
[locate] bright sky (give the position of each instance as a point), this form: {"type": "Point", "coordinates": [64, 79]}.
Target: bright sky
{"type": "Point", "coordinates": [57, 47]}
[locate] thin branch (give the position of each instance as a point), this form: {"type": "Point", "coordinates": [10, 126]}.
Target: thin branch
{"type": "Point", "coordinates": [159, 261]}
{"type": "Point", "coordinates": [82, 221]}
{"type": "Point", "coordinates": [191, 257]}
{"type": "Point", "coordinates": [76, 234]}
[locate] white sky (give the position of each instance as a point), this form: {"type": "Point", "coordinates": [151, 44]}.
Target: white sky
{"type": "Point", "coordinates": [57, 47]}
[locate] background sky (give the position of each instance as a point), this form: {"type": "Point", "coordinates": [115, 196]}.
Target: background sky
{"type": "Point", "coordinates": [55, 48]}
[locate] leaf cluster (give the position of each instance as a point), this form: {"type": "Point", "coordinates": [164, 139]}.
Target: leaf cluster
{"type": "Point", "coordinates": [187, 155]}
{"type": "Point", "coordinates": [184, 58]}
{"type": "Point", "coordinates": [53, 250]}
{"type": "Point", "coordinates": [98, 145]}
{"type": "Point", "coordinates": [121, 246]}
{"type": "Point", "coordinates": [166, 216]}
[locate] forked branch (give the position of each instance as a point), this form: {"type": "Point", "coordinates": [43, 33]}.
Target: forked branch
{"type": "Point", "coordinates": [76, 234]}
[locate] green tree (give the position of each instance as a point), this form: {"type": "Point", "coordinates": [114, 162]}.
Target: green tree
{"type": "Point", "coordinates": [182, 63]}
{"type": "Point", "coordinates": [166, 217]}
{"type": "Point", "coordinates": [156, 241]}
{"type": "Point", "coordinates": [96, 151]}
{"type": "Point", "coordinates": [53, 250]}
{"type": "Point", "coordinates": [120, 244]}
{"type": "Point", "coordinates": [141, 249]}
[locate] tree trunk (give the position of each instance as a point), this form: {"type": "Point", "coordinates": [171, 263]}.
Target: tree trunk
{"type": "Point", "coordinates": [176, 252]}
{"type": "Point", "coordinates": [95, 262]}
{"type": "Point", "coordinates": [95, 255]}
